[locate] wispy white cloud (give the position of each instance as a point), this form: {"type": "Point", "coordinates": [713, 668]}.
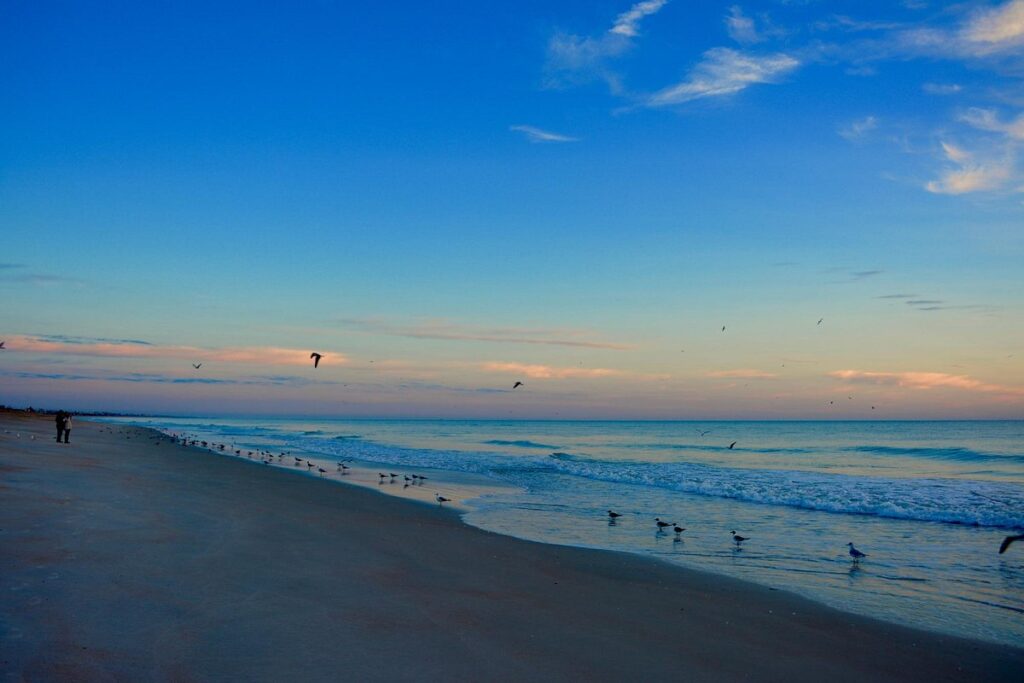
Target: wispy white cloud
{"type": "Point", "coordinates": [628, 23]}
{"type": "Point", "coordinates": [989, 120]}
{"type": "Point", "coordinates": [740, 27]}
{"type": "Point", "coordinates": [942, 88]}
{"type": "Point", "coordinates": [724, 71]}
{"type": "Point", "coordinates": [573, 59]}
{"type": "Point", "coordinates": [855, 130]}
{"type": "Point", "coordinates": [534, 134]}
{"type": "Point", "coordinates": [996, 29]}
{"type": "Point", "coordinates": [969, 174]}
{"type": "Point", "coordinates": [924, 381]}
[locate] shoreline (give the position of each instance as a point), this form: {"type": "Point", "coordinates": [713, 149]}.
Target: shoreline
{"type": "Point", "coordinates": [388, 588]}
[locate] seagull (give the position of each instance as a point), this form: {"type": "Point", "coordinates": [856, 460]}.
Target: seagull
{"type": "Point", "coordinates": [821, 320]}
{"type": "Point", "coordinates": [731, 445]}
{"type": "Point", "coordinates": [855, 554]}
{"type": "Point", "coordinates": [2, 345]}
{"type": "Point", "coordinates": [661, 524]}
{"type": "Point", "coordinates": [737, 538]}
{"type": "Point", "coordinates": [197, 365]}
{"type": "Point", "coordinates": [441, 500]}
{"type": "Point", "coordinates": [316, 359]}
{"type": "Point", "coordinates": [723, 328]}
{"type": "Point", "coordinates": [1007, 541]}
{"type": "Point", "coordinates": [678, 529]}
{"type": "Point", "coordinates": [613, 515]}
{"type": "Point", "coordinates": [322, 471]}
{"type": "Point", "coordinates": [392, 475]}
{"type": "Point", "coordinates": [704, 432]}
{"type": "Point", "coordinates": [517, 384]}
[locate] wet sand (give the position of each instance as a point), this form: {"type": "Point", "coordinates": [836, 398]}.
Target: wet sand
{"type": "Point", "coordinates": [124, 556]}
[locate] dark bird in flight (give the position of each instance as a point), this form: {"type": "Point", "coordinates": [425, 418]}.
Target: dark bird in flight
{"type": "Point", "coordinates": [441, 500]}
{"type": "Point", "coordinates": [2, 345]}
{"type": "Point", "coordinates": [517, 384]}
{"type": "Point", "coordinates": [737, 538]}
{"type": "Point", "coordinates": [821, 320]}
{"type": "Point", "coordinates": [856, 554]}
{"type": "Point", "coordinates": [723, 328]}
{"type": "Point", "coordinates": [197, 365]}
{"type": "Point", "coordinates": [613, 515]}
{"type": "Point", "coordinates": [704, 432]}
{"type": "Point", "coordinates": [731, 445]}
{"type": "Point", "coordinates": [316, 359]}
{"type": "Point", "coordinates": [872, 407]}
{"type": "Point", "coordinates": [1007, 541]}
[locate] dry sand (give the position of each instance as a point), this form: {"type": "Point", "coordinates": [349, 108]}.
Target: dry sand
{"type": "Point", "coordinates": [124, 556]}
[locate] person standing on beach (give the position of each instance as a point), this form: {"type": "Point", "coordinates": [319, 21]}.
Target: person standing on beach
{"type": "Point", "coordinates": [67, 427]}
{"type": "Point", "coordinates": [60, 424]}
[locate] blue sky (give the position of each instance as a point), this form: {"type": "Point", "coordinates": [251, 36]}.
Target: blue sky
{"type": "Point", "coordinates": [575, 194]}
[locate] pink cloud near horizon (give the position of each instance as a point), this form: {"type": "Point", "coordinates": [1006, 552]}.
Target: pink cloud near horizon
{"type": "Point", "coordinates": [925, 381]}
{"type": "Point", "coordinates": [257, 355]}
{"type": "Point", "coordinates": [741, 373]}
{"type": "Point", "coordinates": [536, 371]}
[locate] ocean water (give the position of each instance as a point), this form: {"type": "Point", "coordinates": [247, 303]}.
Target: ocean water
{"type": "Point", "coordinates": [929, 502]}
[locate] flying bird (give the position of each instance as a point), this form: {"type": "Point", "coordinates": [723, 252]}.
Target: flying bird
{"type": "Point", "coordinates": [316, 359]}
{"type": "Point", "coordinates": [821, 320]}
{"type": "Point", "coordinates": [2, 345]}
{"type": "Point", "coordinates": [704, 432]}
{"type": "Point", "coordinates": [1007, 541]}
{"type": "Point", "coordinates": [517, 384]}
{"type": "Point", "coordinates": [731, 445]}
{"type": "Point", "coordinates": [855, 554]}
{"type": "Point", "coordinates": [723, 328]}
{"type": "Point", "coordinates": [197, 365]}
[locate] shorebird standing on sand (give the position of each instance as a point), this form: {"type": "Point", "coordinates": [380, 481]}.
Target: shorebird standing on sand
{"type": "Point", "coordinates": [662, 525]}
{"type": "Point", "coordinates": [855, 554]}
{"type": "Point", "coordinates": [441, 500]}
{"type": "Point", "coordinates": [737, 538]}
{"type": "Point", "coordinates": [614, 515]}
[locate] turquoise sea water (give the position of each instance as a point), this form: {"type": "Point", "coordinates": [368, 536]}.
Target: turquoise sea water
{"type": "Point", "coordinates": [929, 502]}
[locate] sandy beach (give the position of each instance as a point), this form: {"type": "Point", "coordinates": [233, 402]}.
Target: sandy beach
{"type": "Point", "coordinates": [125, 556]}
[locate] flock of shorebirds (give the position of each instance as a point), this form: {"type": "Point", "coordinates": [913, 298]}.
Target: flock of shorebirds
{"type": "Point", "coordinates": [662, 527]}
{"type": "Point", "coordinates": [342, 467]}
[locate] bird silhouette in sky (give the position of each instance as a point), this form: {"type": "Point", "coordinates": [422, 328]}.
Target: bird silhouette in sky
{"type": "Point", "coordinates": [821, 320]}
{"type": "Point", "coordinates": [316, 359]}
{"type": "Point", "coordinates": [2, 345]}
{"type": "Point", "coordinates": [731, 445]}
{"type": "Point", "coordinates": [723, 328]}
{"type": "Point", "coordinates": [517, 384]}
{"type": "Point", "coordinates": [197, 365]}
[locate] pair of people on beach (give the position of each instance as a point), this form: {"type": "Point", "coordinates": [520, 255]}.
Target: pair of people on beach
{"type": "Point", "coordinates": [63, 420]}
